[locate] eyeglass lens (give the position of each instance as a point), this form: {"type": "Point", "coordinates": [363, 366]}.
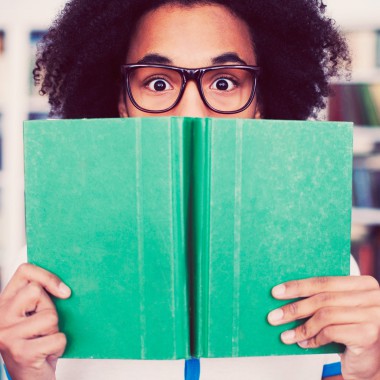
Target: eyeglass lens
{"type": "Point", "coordinates": [225, 89]}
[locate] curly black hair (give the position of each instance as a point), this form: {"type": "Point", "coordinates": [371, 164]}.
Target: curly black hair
{"type": "Point", "coordinates": [297, 46]}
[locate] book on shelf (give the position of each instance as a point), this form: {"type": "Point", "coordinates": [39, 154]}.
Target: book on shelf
{"type": "Point", "coordinates": [37, 115]}
{"type": "Point", "coordinates": [3, 71]}
{"type": "Point", "coordinates": [366, 251]}
{"type": "Point", "coordinates": [367, 259]}
{"type": "Point", "coordinates": [171, 232]}
{"type": "Point", "coordinates": [376, 243]}
{"type": "Point", "coordinates": [2, 41]}
{"type": "Point", "coordinates": [1, 142]}
{"type": "Point", "coordinates": [375, 174]}
{"type": "Point", "coordinates": [366, 181]}
{"type": "Point", "coordinates": [361, 188]}
{"type": "Point", "coordinates": [378, 48]}
{"type": "Point", "coordinates": [35, 37]}
{"type": "Point", "coordinates": [356, 102]}
{"type": "Point", "coordinates": [375, 94]}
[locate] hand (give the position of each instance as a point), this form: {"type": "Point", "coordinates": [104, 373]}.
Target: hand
{"type": "Point", "coordinates": [340, 309]}
{"type": "Point", "coordinates": [30, 342]}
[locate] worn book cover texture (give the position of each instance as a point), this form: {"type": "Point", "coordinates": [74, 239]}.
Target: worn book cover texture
{"type": "Point", "coordinates": [106, 212]}
{"type": "Point", "coordinates": [171, 232]}
{"type": "Point", "coordinates": [272, 203]}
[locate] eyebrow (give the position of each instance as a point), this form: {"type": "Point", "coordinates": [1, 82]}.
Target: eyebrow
{"type": "Point", "coordinates": [158, 59]}
{"type": "Point", "coordinates": [227, 58]}
{"type": "Point", "coordinates": [155, 59]}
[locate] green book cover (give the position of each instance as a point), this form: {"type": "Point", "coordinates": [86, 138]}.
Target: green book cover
{"type": "Point", "coordinates": [171, 232]}
{"type": "Point", "coordinates": [106, 211]}
{"type": "Point", "coordinates": [272, 204]}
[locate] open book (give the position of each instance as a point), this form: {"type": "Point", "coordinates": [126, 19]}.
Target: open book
{"type": "Point", "coordinates": [171, 232]}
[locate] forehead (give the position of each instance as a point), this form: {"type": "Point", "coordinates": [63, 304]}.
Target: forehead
{"type": "Point", "coordinates": [191, 36]}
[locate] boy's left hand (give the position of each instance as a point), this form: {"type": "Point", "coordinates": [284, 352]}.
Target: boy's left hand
{"type": "Point", "coordinates": [340, 309]}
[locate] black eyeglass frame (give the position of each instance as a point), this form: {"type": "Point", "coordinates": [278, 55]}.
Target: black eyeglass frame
{"type": "Point", "coordinates": [187, 74]}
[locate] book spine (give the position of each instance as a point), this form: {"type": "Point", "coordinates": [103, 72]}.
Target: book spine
{"type": "Point", "coordinates": [201, 234]}
{"type": "Point", "coordinates": [218, 217]}
{"type": "Point", "coordinates": [181, 139]}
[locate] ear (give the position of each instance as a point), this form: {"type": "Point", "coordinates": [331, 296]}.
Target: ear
{"type": "Point", "coordinates": [121, 107]}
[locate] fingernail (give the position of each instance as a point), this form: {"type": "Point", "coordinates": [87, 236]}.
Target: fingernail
{"type": "Point", "coordinates": [288, 336]}
{"type": "Point", "coordinates": [278, 290]}
{"type": "Point", "coordinates": [64, 289]}
{"type": "Point", "coordinates": [275, 315]}
{"type": "Point", "coordinates": [303, 344]}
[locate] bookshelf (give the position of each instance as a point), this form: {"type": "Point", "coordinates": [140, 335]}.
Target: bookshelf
{"type": "Point", "coordinates": [359, 101]}
{"type": "Point", "coordinates": [22, 23]}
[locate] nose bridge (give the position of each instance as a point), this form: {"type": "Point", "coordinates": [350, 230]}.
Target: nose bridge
{"type": "Point", "coordinates": [191, 103]}
{"type": "Point", "coordinates": [192, 74]}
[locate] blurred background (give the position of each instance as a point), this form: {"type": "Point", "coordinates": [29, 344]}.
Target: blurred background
{"type": "Point", "coordinates": [23, 22]}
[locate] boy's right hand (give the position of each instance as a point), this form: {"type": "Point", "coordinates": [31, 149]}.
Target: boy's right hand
{"type": "Point", "coordinates": [30, 341]}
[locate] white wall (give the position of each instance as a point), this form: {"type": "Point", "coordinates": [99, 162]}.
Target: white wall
{"type": "Point", "coordinates": [355, 15]}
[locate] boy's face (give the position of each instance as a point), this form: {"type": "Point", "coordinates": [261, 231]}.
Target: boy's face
{"type": "Point", "coordinates": [190, 37]}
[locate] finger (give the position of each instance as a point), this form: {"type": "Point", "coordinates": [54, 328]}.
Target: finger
{"type": "Point", "coordinates": [329, 316]}
{"type": "Point", "coordinates": [35, 358]}
{"type": "Point", "coordinates": [353, 336]}
{"type": "Point", "coordinates": [51, 346]}
{"type": "Point", "coordinates": [36, 352]}
{"type": "Point", "coordinates": [27, 273]}
{"type": "Point", "coordinates": [315, 285]}
{"type": "Point", "coordinates": [29, 300]}
{"type": "Point", "coordinates": [38, 325]}
{"type": "Point", "coordinates": [309, 306]}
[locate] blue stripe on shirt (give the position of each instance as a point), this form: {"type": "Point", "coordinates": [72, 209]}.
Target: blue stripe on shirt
{"type": "Point", "coordinates": [6, 372]}
{"type": "Point", "coordinates": [192, 369]}
{"type": "Point", "coordinates": [333, 369]}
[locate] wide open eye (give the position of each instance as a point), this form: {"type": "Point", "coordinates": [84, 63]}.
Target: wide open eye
{"type": "Point", "coordinates": [223, 84]}
{"type": "Point", "coordinates": [158, 85]}
{"type": "Point", "coordinates": [227, 88]}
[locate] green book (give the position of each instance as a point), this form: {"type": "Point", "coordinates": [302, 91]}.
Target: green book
{"type": "Point", "coordinates": [171, 232]}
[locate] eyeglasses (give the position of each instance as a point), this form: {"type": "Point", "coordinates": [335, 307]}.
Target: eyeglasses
{"type": "Point", "coordinates": [224, 89]}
